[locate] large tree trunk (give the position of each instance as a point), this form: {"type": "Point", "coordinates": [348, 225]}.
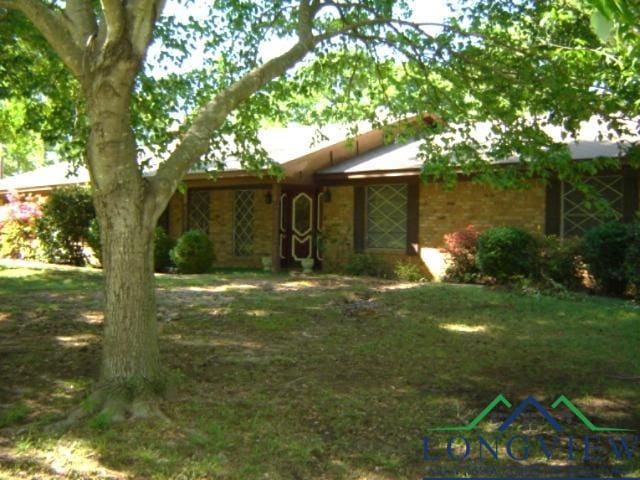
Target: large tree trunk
{"type": "Point", "coordinates": [131, 371]}
{"type": "Point", "coordinates": [127, 209]}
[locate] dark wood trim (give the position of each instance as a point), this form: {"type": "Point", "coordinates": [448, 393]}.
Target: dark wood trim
{"type": "Point", "coordinates": [358, 218]}
{"type": "Point", "coordinates": [329, 181]}
{"type": "Point", "coordinates": [630, 193]}
{"type": "Point", "coordinates": [276, 191]}
{"type": "Point", "coordinates": [260, 186]}
{"type": "Point", "coordinates": [185, 210]}
{"type": "Point", "coordinates": [413, 218]}
{"type": "Point", "coordinates": [553, 208]}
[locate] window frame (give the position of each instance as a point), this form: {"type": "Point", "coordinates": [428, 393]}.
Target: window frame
{"type": "Point", "coordinates": [190, 192]}
{"type": "Point", "coordinates": [619, 177]}
{"type": "Point", "coordinates": [236, 252]}
{"type": "Point", "coordinates": [366, 212]}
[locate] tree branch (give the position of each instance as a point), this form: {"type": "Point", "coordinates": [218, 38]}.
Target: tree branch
{"type": "Point", "coordinates": [142, 16]}
{"type": "Point", "coordinates": [113, 23]}
{"type": "Point", "coordinates": [83, 21]}
{"type": "Point", "coordinates": [195, 142]}
{"type": "Point", "coordinates": [55, 29]}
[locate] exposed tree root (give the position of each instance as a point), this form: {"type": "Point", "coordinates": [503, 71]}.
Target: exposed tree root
{"type": "Point", "coordinates": [114, 404]}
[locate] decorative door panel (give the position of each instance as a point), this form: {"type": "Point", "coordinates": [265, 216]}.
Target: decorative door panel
{"type": "Point", "coordinates": [298, 225]}
{"type": "Point", "coordinates": [302, 226]}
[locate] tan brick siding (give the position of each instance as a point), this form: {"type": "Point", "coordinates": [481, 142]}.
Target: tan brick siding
{"type": "Point", "coordinates": [337, 235]}
{"type": "Point", "coordinates": [176, 215]}
{"type": "Point", "coordinates": [222, 225]}
{"type": "Point", "coordinates": [442, 212]}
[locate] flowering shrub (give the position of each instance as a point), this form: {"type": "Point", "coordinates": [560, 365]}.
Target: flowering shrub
{"type": "Point", "coordinates": [462, 247]}
{"type": "Point", "coordinates": [18, 226]}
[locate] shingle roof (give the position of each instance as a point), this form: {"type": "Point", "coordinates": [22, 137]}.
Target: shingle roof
{"type": "Point", "coordinates": [286, 144]}
{"type": "Point", "coordinates": [282, 145]}
{"type": "Point", "coordinates": [54, 175]}
{"type": "Point", "coordinates": [588, 144]}
{"type": "Point", "coordinates": [387, 157]}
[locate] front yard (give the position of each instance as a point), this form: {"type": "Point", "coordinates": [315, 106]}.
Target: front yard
{"type": "Point", "coordinates": [290, 377]}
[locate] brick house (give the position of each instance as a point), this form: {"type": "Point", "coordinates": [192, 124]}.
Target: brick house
{"type": "Point", "coordinates": [338, 197]}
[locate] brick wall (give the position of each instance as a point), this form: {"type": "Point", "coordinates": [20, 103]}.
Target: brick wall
{"type": "Point", "coordinates": [337, 235]}
{"type": "Point", "coordinates": [176, 215]}
{"type": "Point", "coordinates": [441, 212]}
{"type": "Point", "coordinates": [221, 224]}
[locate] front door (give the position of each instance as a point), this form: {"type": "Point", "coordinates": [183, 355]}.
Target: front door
{"type": "Point", "coordinates": [298, 219]}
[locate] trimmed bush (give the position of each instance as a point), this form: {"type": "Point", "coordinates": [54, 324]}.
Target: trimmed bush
{"type": "Point", "coordinates": [462, 247]}
{"type": "Point", "coordinates": [506, 252]}
{"type": "Point", "coordinates": [367, 265]}
{"type": "Point", "coordinates": [559, 261]}
{"type": "Point", "coordinates": [193, 252]}
{"type": "Point", "coordinates": [64, 225]}
{"type": "Point", "coordinates": [162, 246]}
{"type": "Point", "coordinates": [604, 250]}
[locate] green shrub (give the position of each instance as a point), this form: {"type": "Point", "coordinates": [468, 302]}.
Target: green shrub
{"type": "Point", "coordinates": [367, 265]}
{"type": "Point", "coordinates": [506, 252]}
{"type": "Point", "coordinates": [604, 250]}
{"type": "Point", "coordinates": [632, 258]}
{"type": "Point", "coordinates": [559, 261]}
{"type": "Point", "coordinates": [193, 252]}
{"type": "Point", "coordinates": [408, 272]}
{"type": "Point", "coordinates": [64, 225]}
{"type": "Point", "coordinates": [162, 246]}
{"type": "Point", "coordinates": [462, 247]}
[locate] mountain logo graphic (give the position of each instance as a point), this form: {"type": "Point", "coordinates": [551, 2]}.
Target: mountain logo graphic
{"type": "Point", "coordinates": [530, 401]}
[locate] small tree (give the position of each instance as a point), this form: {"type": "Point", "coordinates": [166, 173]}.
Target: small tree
{"type": "Point", "coordinates": [64, 225]}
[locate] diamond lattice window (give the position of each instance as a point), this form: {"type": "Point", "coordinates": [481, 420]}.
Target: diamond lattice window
{"type": "Point", "coordinates": [387, 216]}
{"type": "Point", "coordinates": [198, 210]}
{"type": "Point", "coordinates": [243, 223]}
{"type": "Point", "coordinates": [579, 215]}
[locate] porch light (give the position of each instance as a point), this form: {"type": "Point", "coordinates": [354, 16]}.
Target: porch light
{"type": "Point", "coordinates": [268, 199]}
{"type": "Point", "coordinates": [326, 195]}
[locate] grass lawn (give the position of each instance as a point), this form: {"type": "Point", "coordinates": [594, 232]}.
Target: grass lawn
{"type": "Point", "coordinates": [322, 377]}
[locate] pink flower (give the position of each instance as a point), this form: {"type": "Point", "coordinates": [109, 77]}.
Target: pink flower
{"type": "Point", "coordinates": [22, 210]}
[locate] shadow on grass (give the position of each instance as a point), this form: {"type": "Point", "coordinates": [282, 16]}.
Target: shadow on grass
{"type": "Point", "coordinates": [321, 377]}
